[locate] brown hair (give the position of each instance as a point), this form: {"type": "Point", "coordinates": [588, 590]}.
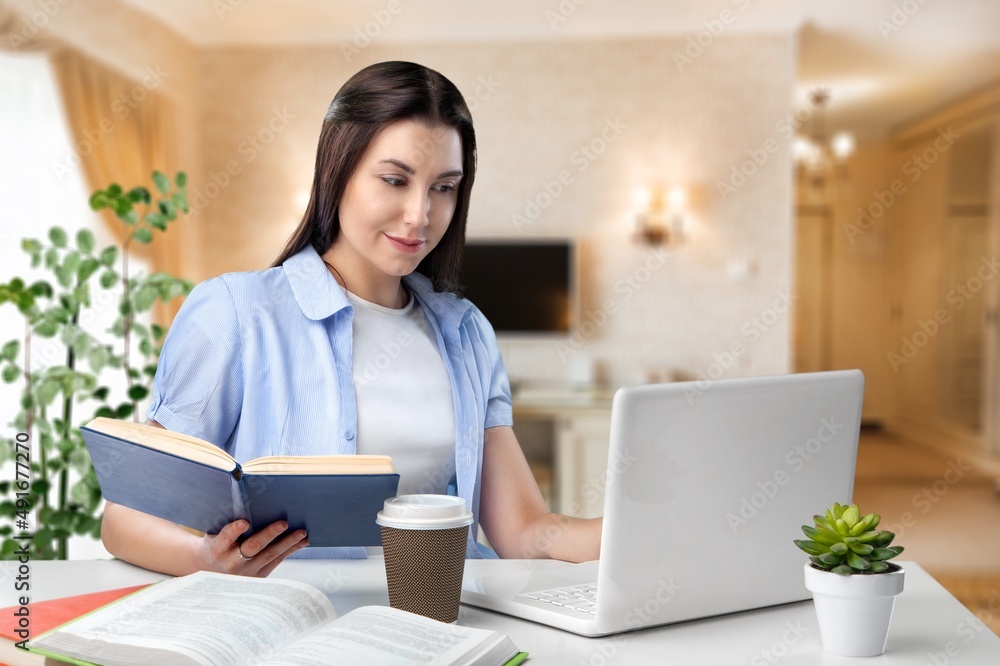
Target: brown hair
{"type": "Point", "coordinates": [371, 99]}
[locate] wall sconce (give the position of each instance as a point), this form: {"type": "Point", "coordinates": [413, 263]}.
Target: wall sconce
{"type": "Point", "coordinates": [660, 215]}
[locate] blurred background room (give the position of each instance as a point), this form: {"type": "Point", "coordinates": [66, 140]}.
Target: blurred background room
{"type": "Point", "coordinates": [741, 188]}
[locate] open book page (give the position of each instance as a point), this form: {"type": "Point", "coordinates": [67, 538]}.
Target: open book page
{"type": "Point", "coordinates": [382, 636]}
{"type": "Point", "coordinates": [344, 464]}
{"type": "Point", "coordinates": [206, 618]}
{"type": "Point", "coordinates": [207, 453]}
{"type": "Point", "coordinates": [165, 440]}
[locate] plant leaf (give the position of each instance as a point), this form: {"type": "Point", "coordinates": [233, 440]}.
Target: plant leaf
{"type": "Point", "coordinates": [85, 240]}
{"type": "Point", "coordinates": [851, 516]}
{"type": "Point", "coordinates": [810, 547]}
{"type": "Point", "coordinates": [820, 535]}
{"type": "Point", "coordinates": [137, 393]}
{"type": "Point", "coordinates": [143, 235]}
{"type": "Point", "coordinates": [857, 562]}
{"type": "Point", "coordinates": [162, 182]}
{"type": "Point", "coordinates": [108, 255]}
{"type": "Point", "coordinates": [830, 558]}
{"type": "Point", "coordinates": [58, 236]}
{"type": "Point", "coordinates": [879, 554]}
{"type": "Point", "coordinates": [139, 195]}
{"type": "Point", "coordinates": [109, 279]}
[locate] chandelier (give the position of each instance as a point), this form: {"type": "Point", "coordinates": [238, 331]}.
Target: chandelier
{"type": "Point", "coordinates": [820, 160]}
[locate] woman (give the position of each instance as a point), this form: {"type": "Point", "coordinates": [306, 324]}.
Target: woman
{"type": "Point", "coordinates": [355, 341]}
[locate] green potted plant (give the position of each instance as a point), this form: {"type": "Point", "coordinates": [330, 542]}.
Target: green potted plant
{"type": "Point", "coordinates": [56, 494]}
{"type": "Point", "coordinates": [854, 585]}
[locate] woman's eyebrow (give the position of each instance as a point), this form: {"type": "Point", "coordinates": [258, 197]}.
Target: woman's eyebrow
{"type": "Point", "coordinates": [402, 165]}
{"type": "Point", "coordinates": [410, 170]}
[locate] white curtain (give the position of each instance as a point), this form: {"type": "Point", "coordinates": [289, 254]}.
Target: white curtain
{"type": "Point", "coordinates": [36, 193]}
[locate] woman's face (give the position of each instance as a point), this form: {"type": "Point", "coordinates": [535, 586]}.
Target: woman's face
{"type": "Point", "coordinates": [400, 199]}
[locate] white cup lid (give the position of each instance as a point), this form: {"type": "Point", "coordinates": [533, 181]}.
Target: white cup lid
{"type": "Point", "coordinates": [424, 512]}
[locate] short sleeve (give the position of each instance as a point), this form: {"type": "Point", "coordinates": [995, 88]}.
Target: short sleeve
{"type": "Point", "coordinates": [499, 406]}
{"type": "Point", "coordinates": [198, 387]}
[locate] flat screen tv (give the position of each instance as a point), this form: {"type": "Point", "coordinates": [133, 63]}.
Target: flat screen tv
{"type": "Point", "coordinates": [522, 286]}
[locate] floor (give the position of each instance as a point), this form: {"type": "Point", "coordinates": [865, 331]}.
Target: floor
{"type": "Point", "coordinates": [944, 512]}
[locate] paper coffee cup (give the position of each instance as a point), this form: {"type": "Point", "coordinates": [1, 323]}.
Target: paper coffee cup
{"type": "Point", "coordinates": [424, 539]}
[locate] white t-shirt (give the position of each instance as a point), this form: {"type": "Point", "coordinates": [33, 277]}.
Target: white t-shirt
{"type": "Point", "coordinates": [404, 396]}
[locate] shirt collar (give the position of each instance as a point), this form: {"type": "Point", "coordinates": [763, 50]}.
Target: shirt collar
{"type": "Point", "coordinates": [319, 296]}
{"type": "Point", "coordinates": [446, 306]}
{"type": "Point", "coordinates": [315, 289]}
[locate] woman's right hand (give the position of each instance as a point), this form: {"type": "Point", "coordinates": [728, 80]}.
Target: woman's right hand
{"type": "Point", "coordinates": [257, 555]}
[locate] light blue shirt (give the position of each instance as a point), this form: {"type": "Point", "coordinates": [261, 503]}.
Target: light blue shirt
{"type": "Point", "coordinates": [259, 364]}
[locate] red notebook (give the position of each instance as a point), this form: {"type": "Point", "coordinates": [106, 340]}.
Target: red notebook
{"type": "Point", "coordinates": [46, 615]}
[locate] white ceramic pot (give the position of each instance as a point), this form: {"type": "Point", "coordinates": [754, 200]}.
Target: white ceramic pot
{"type": "Point", "coordinates": [854, 611]}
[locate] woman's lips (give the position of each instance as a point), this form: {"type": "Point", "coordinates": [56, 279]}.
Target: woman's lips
{"type": "Point", "coordinates": [411, 245]}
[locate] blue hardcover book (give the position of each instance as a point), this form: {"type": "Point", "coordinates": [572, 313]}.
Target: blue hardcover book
{"type": "Point", "coordinates": [195, 483]}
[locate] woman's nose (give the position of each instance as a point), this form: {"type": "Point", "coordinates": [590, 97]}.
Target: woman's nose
{"type": "Point", "coordinates": [417, 209]}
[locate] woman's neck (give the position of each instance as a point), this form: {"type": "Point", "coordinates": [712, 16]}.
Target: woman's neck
{"type": "Point", "coordinates": [382, 289]}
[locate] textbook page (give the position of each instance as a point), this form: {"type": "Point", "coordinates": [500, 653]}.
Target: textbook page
{"type": "Point", "coordinates": [211, 619]}
{"type": "Point", "coordinates": [381, 636]}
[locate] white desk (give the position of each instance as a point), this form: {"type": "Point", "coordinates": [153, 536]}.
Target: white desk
{"type": "Point", "coordinates": [928, 623]}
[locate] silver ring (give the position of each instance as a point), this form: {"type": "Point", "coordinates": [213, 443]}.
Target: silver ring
{"type": "Point", "coordinates": [239, 552]}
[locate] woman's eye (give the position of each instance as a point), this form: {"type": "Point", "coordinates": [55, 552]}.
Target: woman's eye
{"type": "Point", "coordinates": [393, 181]}
{"type": "Point", "coordinates": [445, 187]}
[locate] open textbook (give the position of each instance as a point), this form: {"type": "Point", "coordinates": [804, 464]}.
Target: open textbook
{"type": "Point", "coordinates": [192, 482]}
{"type": "Point", "coordinates": [213, 619]}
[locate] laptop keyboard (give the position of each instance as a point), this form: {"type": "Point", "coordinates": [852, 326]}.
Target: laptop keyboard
{"type": "Point", "coordinates": [582, 598]}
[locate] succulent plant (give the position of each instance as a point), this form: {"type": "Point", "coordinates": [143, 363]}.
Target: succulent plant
{"type": "Point", "coordinates": [845, 543]}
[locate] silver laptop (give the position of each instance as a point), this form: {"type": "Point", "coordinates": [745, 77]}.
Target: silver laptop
{"type": "Point", "coordinates": [708, 484]}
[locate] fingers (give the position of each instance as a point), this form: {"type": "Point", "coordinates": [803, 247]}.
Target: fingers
{"type": "Point", "coordinates": [297, 541]}
{"type": "Point", "coordinates": [259, 554]}
{"type": "Point", "coordinates": [257, 541]}
{"type": "Point", "coordinates": [222, 544]}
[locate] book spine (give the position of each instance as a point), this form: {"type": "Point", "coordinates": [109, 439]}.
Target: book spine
{"type": "Point", "coordinates": [241, 501]}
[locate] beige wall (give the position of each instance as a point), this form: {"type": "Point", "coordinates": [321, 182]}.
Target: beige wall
{"type": "Point", "coordinates": [535, 105]}
{"type": "Point", "coordinates": [250, 119]}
